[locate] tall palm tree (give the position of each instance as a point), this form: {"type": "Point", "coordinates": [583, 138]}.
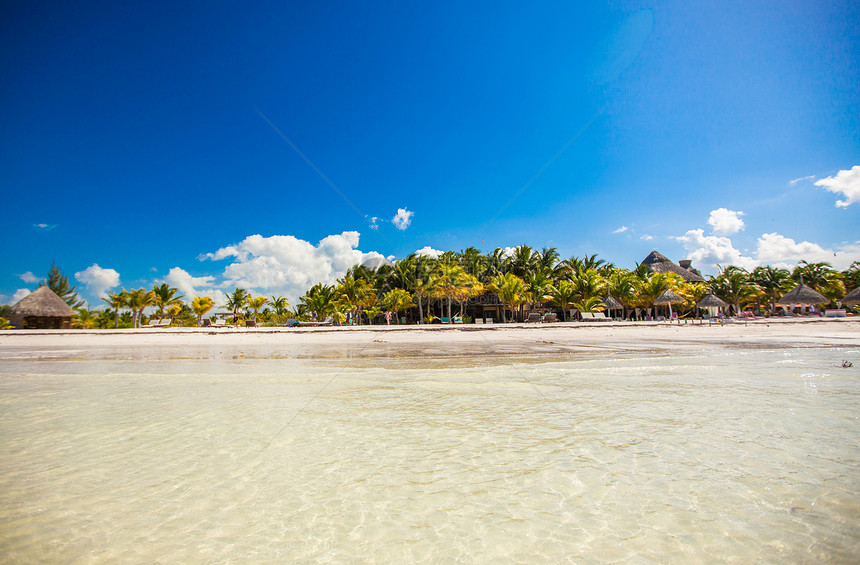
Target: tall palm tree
{"type": "Point", "coordinates": [255, 304]}
{"type": "Point", "coordinates": [396, 300]}
{"type": "Point", "coordinates": [446, 283]}
{"type": "Point", "coordinates": [563, 294]}
{"type": "Point", "coordinates": [200, 305]}
{"type": "Point", "coordinates": [588, 305]}
{"type": "Point", "coordinates": [733, 285]}
{"type": "Point", "coordinates": [115, 300]}
{"type": "Point", "coordinates": [319, 299]}
{"type": "Point", "coordinates": [822, 277]}
{"type": "Point", "coordinates": [138, 299]}
{"type": "Point", "coordinates": [510, 289]}
{"type": "Point", "coordinates": [164, 297]}
{"type": "Point", "coordinates": [236, 300]}
{"type": "Point", "coordinates": [588, 283]}
{"type": "Point", "coordinates": [85, 319]}
{"type": "Point", "coordinates": [280, 305]}
{"type": "Point", "coordinates": [356, 293]}
{"type": "Point", "coordinates": [773, 281]}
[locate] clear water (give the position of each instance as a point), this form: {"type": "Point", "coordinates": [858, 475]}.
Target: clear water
{"type": "Point", "coordinates": [737, 457]}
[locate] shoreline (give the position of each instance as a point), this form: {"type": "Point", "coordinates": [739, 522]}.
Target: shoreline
{"type": "Point", "coordinates": [427, 340]}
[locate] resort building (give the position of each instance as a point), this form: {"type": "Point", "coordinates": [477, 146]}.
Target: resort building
{"type": "Point", "coordinates": [659, 263]}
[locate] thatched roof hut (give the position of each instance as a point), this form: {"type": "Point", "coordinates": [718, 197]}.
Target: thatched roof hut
{"type": "Point", "coordinates": [41, 309]}
{"type": "Point", "coordinates": [803, 295]}
{"type": "Point", "coordinates": [612, 303]}
{"type": "Point", "coordinates": [852, 297]}
{"type": "Point", "coordinates": [712, 301]}
{"type": "Point", "coordinates": [659, 263]}
{"type": "Point", "coordinates": [669, 297]}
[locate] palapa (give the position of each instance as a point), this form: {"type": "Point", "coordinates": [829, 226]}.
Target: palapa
{"type": "Point", "coordinates": [659, 263]}
{"type": "Point", "coordinates": [803, 295]}
{"type": "Point", "coordinates": [42, 308]}
{"type": "Point", "coordinates": [711, 301]}
{"type": "Point", "coordinates": [852, 297]}
{"type": "Point", "coordinates": [669, 297]}
{"type": "Point", "coordinates": [612, 303]}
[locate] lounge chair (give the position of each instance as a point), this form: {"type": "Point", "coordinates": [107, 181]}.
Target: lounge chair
{"type": "Point", "coordinates": [533, 317]}
{"type": "Point", "coordinates": [586, 316]}
{"type": "Point", "coordinates": [551, 317]}
{"type": "Point", "coordinates": [251, 324]}
{"type": "Point", "coordinates": [488, 320]}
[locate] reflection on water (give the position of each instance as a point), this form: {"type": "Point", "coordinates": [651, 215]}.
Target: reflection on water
{"type": "Point", "coordinates": [750, 456]}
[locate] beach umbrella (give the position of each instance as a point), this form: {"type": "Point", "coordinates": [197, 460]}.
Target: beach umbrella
{"type": "Point", "coordinates": [712, 303]}
{"type": "Point", "coordinates": [669, 297]}
{"type": "Point", "coordinates": [852, 297]}
{"type": "Point", "coordinates": [611, 303]}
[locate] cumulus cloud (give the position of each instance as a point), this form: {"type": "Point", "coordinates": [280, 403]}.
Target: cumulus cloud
{"type": "Point", "coordinates": [646, 237]}
{"type": "Point", "coordinates": [622, 229]}
{"type": "Point", "coordinates": [19, 294]}
{"type": "Point", "coordinates": [97, 280]}
{"type": "Point", "coordinates": [428, 251]}
{"type": "Point", "coordinates": [191, 286]}
{"type": "Point", "coordinates": [402, 219]}
{"type": "Point", "coordinates": [29, 277]}
{"type": "Point", "coordinates": [846, 182]}
{"type": "Point", "coordinates": [725, 222]}
{"type": "Point", "coordinates": [374, 223]}
{"type": "Point", "coordinates": [286, 265]}
{"type": "Point", "coordinates": [711, 250]}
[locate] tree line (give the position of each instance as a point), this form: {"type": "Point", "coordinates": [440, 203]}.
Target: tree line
{"type": "Point", "coordinates": [426, 288]}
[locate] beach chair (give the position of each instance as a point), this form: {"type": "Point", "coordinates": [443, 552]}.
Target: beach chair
{"type": "Point", "coordinates": [533, 317]}
{"type": "Point", "coordinates": [586, 316]}
{"type": "Point", "coordinates": [458, 320]}
{"type": "Point", "coordinates": [479, 320]}
{"type": "Point", "coordinates": [488, 320]}
{"type": "Point", "coordinates": [551, 317]}
{"type": "Point", "coordinates": [251, 324]}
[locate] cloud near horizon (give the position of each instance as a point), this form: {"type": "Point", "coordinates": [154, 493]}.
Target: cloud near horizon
{"type": "Point", "coordinates": [97, 280]}
{"type": "Point", "coordinates": [846, 182]}
{"type": "Point", "coordinates": [288, 266]}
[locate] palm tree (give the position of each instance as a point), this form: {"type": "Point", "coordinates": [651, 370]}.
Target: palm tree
{"type": "Point", "coordinates": [200, 305]}
{"type": "Point", "coordinates": [563, 294]}
{"type": "Point", "coordinates": [523, 261]}
{"type": "Point", "coordinates": [623, 285]}
{"type": "Point", "coordinates": [510, 289]}
{"type": "Point", "coordinates": [733, 285]}
{"type": "Point", "coordinates": [822, 277]}
{"type": "Point", "coordinates": [165, 297]}
{"type": "Point", "coordinates": [256, 303]}
{"type": "Point", "coordinates": [538, 285]}
{"type": "Point", "coordinates": [236, 300]}
{"type": "Point", "coordinates": [446, 282]}
{"type": "Point", "coordinates": [115, 300]}
{"type": "Point", "coordinates": [319, 299]}
{"type": "Point", "coordinates": [280, 304]}
{"type": "Point", "coordinates": [355, 293]}
{"type": "Point", "coordinates": [138, 299]}
{"type": "Point", "coordinates": [396, 300]}
{"type": "Point", "coordinates": [85, 319]}
{"type": "Point", "coordinates": [588, 305]}
{"type": "Point", "coordinates": [470, 287]}
{"type": "Point", "coordinates": [773, 281]}
{"type": "Point", "coordinates": [851, 276]}
{"type": "Point", "coordinates": [588, 283]}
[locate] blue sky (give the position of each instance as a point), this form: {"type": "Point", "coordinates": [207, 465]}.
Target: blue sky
{"type": "Point", "coordinates": [270, 146]}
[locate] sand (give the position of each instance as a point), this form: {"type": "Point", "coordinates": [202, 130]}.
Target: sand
{"type": "Point", "coordinates": [432, 340]}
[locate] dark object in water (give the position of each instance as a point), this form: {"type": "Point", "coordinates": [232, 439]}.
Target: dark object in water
{"type": "Point", "coordinates": [846, 364]}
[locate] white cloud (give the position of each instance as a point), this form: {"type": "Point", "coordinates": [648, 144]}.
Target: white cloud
{"type": "Point", "coordinates": [622, 229]}
{"type": "Point", "coordinates": [712, 250]}
{"type": "Point", "coordinates": [288, 266]}
{"type": "Point", "coordinates": [428, 251]}
{"type": "Point", "coordinates": [402, 219]}
{"type": "Point", "coordinates": [801, 179]}
{"type": "Point", "coordinates": [191, 287]}
{"type": "Point", "coordinates": [725, 222]}
{"type": "Point", "coordinates": [847, 182]}
{"type": "Point", "coordinates": [646, 237]}
{"type": "Point", "coordinates": [19, 294]}
{"type": "Point", "coordinates": [45, 227]}
{"type": "Point", "coordinates": [29, 277]}
{"type": "Point", "coordinates": [781, 251]}
{"type": "Point", "coordinates": [97, 279]}
{"type": "Point", "coordinates": [374, 225]}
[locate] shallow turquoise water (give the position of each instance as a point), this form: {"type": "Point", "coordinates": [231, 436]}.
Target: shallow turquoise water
{"type": "Point", "coordinates": [739, 457]}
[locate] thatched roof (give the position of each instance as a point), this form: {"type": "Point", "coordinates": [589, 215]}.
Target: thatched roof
{"type": "Point", "coordinates": [43, 303]}
{"type": "Point", "coordinates": [659, 263]}
{"type": "Point", "coordinates": [669, 297]}
{"type": "Point", "coordinates": [852, 297]}
{"type": "Point", "coordinates": [712, 301]}
{"type": "Point", "coordinates": [803, 294]}
{"type": "Point", "coordinates": [612, 303]}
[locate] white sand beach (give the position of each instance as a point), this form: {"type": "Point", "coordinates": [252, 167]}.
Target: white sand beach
{"type": "Point", "coordinates": [443, 340]}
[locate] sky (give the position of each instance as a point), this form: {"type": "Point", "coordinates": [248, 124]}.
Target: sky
{"type": "Point", "coordinates": [271, 146]}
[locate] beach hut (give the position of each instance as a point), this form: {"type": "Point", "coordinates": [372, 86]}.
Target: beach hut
{"type": "Point", "coordinates": [803, 295]}
{"type": "Point", "coordinates": [610, 303]}
{"type": "Point", "coordinates": [41, 309]}
{"type": "Point", "coordinates": [712, 304]}
{"type": "Point", "coordinates": [668, 297]}
{"type": "Point", "coordinates": [852, 297]}
{"type": "Point", "coordinates": [659, 263]}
